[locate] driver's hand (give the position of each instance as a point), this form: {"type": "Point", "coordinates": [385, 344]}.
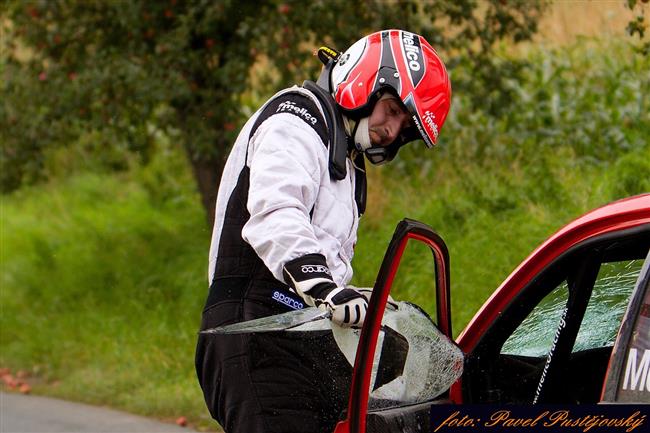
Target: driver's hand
{"type": "Point", "coordinates": [311, 278]}
{"type": "Point", "coordinates": [348, 307]}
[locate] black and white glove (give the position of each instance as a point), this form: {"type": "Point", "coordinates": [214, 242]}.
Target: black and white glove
{"type": "Point", "coordinates": [311, 278]}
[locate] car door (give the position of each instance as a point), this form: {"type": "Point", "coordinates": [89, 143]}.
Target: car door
{"type": "Point", "coordinates": [399, 416]}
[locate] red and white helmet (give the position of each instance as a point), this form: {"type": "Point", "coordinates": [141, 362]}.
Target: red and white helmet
{"type": "Point", "coordinates": [403, 63]}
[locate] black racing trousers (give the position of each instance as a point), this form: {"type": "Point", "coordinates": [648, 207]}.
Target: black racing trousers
{"type": "Point", "coordinates": [285, 382]}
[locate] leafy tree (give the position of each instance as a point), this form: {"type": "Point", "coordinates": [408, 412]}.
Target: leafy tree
{"type": "Point", "coordinates": [637, 25]}
{"type": "Point", "coordinates": [119, 72]}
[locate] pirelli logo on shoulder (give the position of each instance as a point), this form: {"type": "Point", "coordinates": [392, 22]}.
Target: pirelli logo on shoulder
{"type": "Point", "coordinates": [291, 107]}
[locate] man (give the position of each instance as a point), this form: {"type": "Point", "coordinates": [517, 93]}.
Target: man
{"type": "Point", "coordinates": [288, 208]}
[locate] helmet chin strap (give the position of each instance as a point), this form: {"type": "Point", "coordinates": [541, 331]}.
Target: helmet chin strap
{"type": "Point", "coordinates": [362, 135]}
{"type": "Point", "coordinates": [359, 132]}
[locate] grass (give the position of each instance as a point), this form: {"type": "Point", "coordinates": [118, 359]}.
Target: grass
{"type": "Point", "coordinates": [104, 275]}
{"type": "Point", "coordinates": [102, 289]}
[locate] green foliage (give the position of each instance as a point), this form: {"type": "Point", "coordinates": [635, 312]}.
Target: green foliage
{"type": "Point", "coordinates": [637, 25]}
{"type": "Point", "coordinates": [116, 68]}
{"type": "Point", "coordinates": [626, 176]}
{"type": "Point", "coordinates": [576, 100]}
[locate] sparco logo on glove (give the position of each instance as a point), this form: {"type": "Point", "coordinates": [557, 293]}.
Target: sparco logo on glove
{"type": "Point", "coordinates": [300, 111]}
{"type": "Point", "coordinates": [310, 269]}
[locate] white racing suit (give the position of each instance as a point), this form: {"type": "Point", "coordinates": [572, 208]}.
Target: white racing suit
{"type": "Point", "coordinates": [277, 203]}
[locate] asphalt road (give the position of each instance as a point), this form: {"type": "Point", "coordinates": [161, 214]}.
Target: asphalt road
{"type": "Point", "coordinates": [31, 414]}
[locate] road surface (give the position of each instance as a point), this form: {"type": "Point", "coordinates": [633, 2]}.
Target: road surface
{"type": "Point", "coordinates": [32, 414]}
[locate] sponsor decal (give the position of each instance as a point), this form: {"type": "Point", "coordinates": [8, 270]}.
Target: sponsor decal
{"type": "Point", "coordinates": [421, 130]}
{"type": "Point", "coordinates": [309, 269]}
{"type": "Point", "coordinates": [290, 106]}
{"type": "Point", "coordinates": [558, 332]}
{"type": "Point", "coordinates": [637, 374]}
{"type": "Point", "coordinates": [288, 301]}
{"type": "Point", "coordinates": [413, 57]}
{"type": "Point", "coordinates": [412, 51]}
{"type": "Point", "coordinates": [431, 123]}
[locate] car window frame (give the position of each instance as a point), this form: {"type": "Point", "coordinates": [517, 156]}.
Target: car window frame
{"type": "Point", "coordinates": [620, 353]}
{"type": "Point", "coordinates": [489, 344]}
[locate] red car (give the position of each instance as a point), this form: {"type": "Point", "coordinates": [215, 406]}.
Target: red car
{"type": "Point", "coordinates": [570, 325]}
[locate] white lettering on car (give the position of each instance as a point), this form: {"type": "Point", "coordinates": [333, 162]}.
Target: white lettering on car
{"type": "Point", "coordinates": [636, 374]}
{"type": "Point", "coordinates": [549, 357]}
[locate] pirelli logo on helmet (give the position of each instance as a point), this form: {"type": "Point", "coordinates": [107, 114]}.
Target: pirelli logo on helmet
{"type": "Point", "coordinates": [413, 56]}
{"type": "Point", "coordinates": [291, 107]}
{"type": "Point", "coordinates": [315, 269]}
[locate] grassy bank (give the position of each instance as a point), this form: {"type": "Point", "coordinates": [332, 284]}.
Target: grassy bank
{"type": "Point", "coordinates": [103, 275]}
{"type": "Point", "coordinates": [102, 283]}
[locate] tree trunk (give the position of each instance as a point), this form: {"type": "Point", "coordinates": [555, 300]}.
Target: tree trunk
{"type": "Point", "coordinates": [207, 173]}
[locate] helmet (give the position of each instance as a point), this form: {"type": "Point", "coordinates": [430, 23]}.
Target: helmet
{"type": "Point", "coordinates": [404, 64]}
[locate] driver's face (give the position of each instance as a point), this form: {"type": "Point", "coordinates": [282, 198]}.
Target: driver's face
{"type": "Point", "coordinates": [387, 120]}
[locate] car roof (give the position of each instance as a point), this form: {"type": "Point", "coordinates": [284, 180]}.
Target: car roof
{"type": "Point", "coordinates": [619, 215]}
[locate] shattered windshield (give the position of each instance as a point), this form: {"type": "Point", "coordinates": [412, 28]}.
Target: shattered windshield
{"type": "Point", "coordinates": [602, 318]}
{"type": "Point", "coordinates": [414, 362]}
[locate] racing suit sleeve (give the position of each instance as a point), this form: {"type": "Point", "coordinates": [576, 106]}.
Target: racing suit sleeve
{"type": "Point", "coordinates": [285, 171]}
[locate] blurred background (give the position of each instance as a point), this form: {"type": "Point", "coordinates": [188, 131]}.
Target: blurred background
{"type": "Point", "coordinates": [116, 118]}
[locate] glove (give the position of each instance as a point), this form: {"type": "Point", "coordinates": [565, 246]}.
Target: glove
{"type": "Point", "coordinates": [367, 292]}
{"type": "Point", "coordinates": [310, 277]}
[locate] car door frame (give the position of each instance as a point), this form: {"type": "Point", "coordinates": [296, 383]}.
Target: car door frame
{"type": "Point", "coordinates": [406, 230]}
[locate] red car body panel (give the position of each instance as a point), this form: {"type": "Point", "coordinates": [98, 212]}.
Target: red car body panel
{"type": "Point", "coordinates": [616, 216]}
